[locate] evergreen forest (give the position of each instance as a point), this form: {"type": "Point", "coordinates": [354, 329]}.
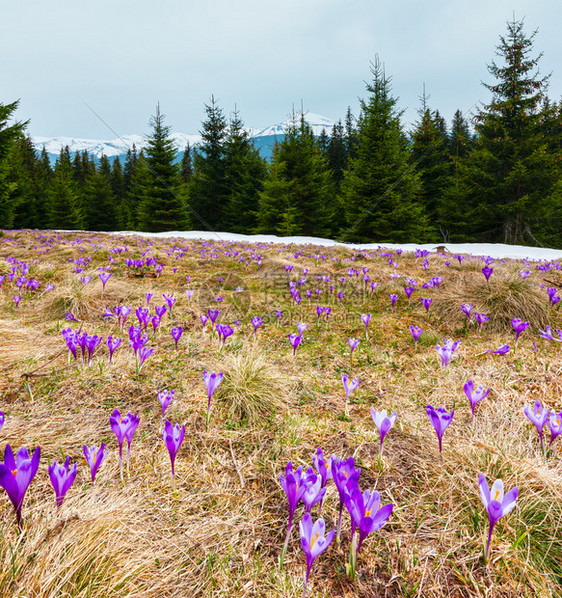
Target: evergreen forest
{"type": "Point", "coordinates": [495, 176]}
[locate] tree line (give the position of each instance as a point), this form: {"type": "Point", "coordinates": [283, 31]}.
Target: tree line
{"type": "Point", "coordinates": [496, 177]}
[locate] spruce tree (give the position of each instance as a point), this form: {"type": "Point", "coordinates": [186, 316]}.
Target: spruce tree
{"type": "Point", "coordinates": [245, 175]}
{"type": "Point", "coordinates": [186, 169]}
{"type": "Point", "coordinates": [299, 197]}
{"type": "Point", "coordinates": [380, 189]}
{"type": "Point", "coordinates": [8, 185]}
{"type": "Point", "coordinates": [162, 208]}
{"type": "Point", "coordinates": [510, 176]}
{"type": "Point", "coordinates": [430, 156]}
{"type": "Point", "coordinates": [101, 208]}
{"type": "Point", "coordinates": [64, 205]}
{"type": "Point", "coordinates": [208, 189]}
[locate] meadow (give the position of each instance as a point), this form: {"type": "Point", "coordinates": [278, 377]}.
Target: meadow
{"type": "Point", "coordinates": [217, 527]}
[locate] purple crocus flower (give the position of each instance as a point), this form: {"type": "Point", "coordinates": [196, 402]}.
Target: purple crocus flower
{"type": "Point", "coordinates": [160, 310]}
{"type": "Point", "coordinates": [487, 271]}
{"type": "Point", "coordinates": [16, 475]}
{"type": "Point", "coordinates": [554, 424]}
{"type": "Point", "coordinates": [95, 457]}
{"type": "Point", "coordinates": [473, 396]}
{"type": "Point", "coordinates": [446, 352]}
{"type": "Point", "coordinates": [349, 386]}
{"type": "Point", "coordinates": [467, 309]}
{"type": "Point", "coordinates": [256, 323]}
{"type": "Point", "coordinates": [213, 315]}
{"type": "Point", "coordinates": [480, 319]}
{"type": "Point", "coordinates": [345, 474]}
{"type": "Point", "coordinates": [314, 492]}
{"type": "Point", "coordinates": [314, 541]}
{"type": "Point", "coordinates": [170, 300]}
{"type": "Point", "coordinates": [353, 342]}
{"type": "Point", "coordinates": [176, 334]}
{"type": "Point", "coordinates": [295, 340]}
{"type": "Point", "coordinates": [294, 487]}
{"type": "Point", "coordinates": [416, 332]}
{"type": "Point", "coordinates": [519, 326]}
{"type": "Point", "coordinates": [165, 397]}
{"type": "Point", "coordinates": [426, 302]}
{"type": "Point", "coordinates": [393, 299]}
{"type": "Point", "coordinates": [324, 467]}
{"type": "Point", "coordinates": [366, 318]}
{"type": "Point", "coordinates": [129, 433]}
{"type": "Point", "coordinates": [409, 290]}
{"type": "Point", "coordinates": [69, 317]}
{"type": "Point", "coordinates": [440, 420]}
{"type": "Point", "coordinates": [120, 424]}
{"type": "Point", "coordinates": [224, 331]}
{"type": "Point", "coordinates": [538, 416]}
{"type": "Point", "coordinates": [212, 381]}
{"type": "Point", "coordinates": [497, 504]}
{"type": "Point", "coordinates": [547, 334]}
{"type": "Point", "coordinates": [173, 437]}
{"type": "Point", "coordinates": [365, 516]}
{"type": "Point", "coordinates": [301, 327]}
{"type": "Point", "coordinates": [383, 423]}
{"type": "Point", "coordinates": [113, 345]}
{"type": "Point", "coordinates": [104, 277]}
{"type": "Point", "coordinates": [62, 477]}
{"type": "Point", "coordinates": [148, 297]}
{"type": "Point", "coordinates": [278, 314]}
{"type": "Point", "coordinates": [1, 419]}
{"type": "Point", "coordinates": [499, 351]}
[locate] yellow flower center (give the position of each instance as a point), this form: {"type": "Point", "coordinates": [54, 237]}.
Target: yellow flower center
{"type": "Point", "coordinates": [368, 512]}
{"type": "Point", "coordinates": [14, 472]}
{"type": "Point", "coordinates": [497, 494]}
{"type": "Point", "coordinates": [314, 538]}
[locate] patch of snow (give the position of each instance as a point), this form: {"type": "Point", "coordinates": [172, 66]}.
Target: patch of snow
{"type": "Point", "coordinates": [495, 250]}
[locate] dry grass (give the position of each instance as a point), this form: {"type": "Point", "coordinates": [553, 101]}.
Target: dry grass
{"type": "Point", "coordinates": [507, 296]}
{"type": "Point", "coordinates": [219, 531]}
{"type": "Point", "coordinates": [254, 389]}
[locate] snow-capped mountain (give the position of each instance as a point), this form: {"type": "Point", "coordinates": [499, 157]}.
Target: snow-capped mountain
{"type": "Point", "coordinates": [264, 138]}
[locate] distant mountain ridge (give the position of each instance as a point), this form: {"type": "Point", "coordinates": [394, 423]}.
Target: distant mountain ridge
{"type": "Point", "coordinates": [264, 140]}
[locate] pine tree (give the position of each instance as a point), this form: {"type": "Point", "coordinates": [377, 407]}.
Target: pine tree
{"type": "Point", "coordinates": [380, 188]}
{"type": "Point", "coordinates": [208, 190]}
{"type": "Point", "coordinates": [299, 197]}
{"type": "Point", "coordinates": [245, 175]}
{"type": "Point", "coordinates": [510, 176]}
{"type": "Point", "coordinates": [117, 180]}
{"type": "Point", "coordinates": [162, 208]}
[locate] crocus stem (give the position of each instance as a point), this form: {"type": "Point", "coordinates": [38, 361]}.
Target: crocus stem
{"type": "Point", "coordinates": [338, 532]}
{"type": "Point", "coordinates": [128, 455]}
{"type": "Point", "coordinates": [488, 543]}
{"type": "Point", "coordinates": [305, 584]}
{"type": "Point", "coordinates": [285, 547]}
{"type": "Point", "coordinates": [121, 461]}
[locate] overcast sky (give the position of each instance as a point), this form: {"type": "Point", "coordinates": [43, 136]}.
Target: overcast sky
{"type": "Point", "coordinates": [121, 57]}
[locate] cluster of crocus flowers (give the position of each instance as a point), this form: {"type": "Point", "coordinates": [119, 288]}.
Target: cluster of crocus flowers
{"type": "Point", "coordinates": [447, 351]}
{"type": "Point", "coordinates": [540, 416]}
{"type": "Point", "coordinates": [87, 343]}
{"type": "Point", "coordinates": [124, 427]}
